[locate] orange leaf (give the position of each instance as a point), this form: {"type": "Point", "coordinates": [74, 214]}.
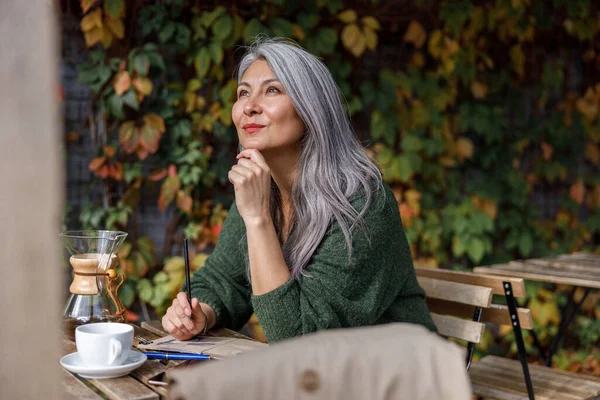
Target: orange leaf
{"type": "Point", "coordinates": [172, 170]}
{"type": "Point", "coordinates": [109, 151]}
{"type": "Point", "coordinates": [149, 139]}
{"type": "Point", "coordinates": [547, 151]}
{"type": "Point", "coordinates": [122, 82]}
{"type": "Point", "coordinates": [129, 136]}
{"type": "Point", "coordinates": [184, 202]}
{"type": "Point", "coordinates": [479, 90]}
{"type": "Point", "coordinates": [117, 171]}
{"type": "Point", "coordinates": [588, 105]}
{"type": "Point", "coordinates": [415, 34]}
{"type": "Point", "coordinates": [155, 121]}
{"type": "Point", "coordinates": [143, 85]}
{"type": "Point", "coordinates": [592, 153]}
{"type": "Point", "coordinates": [406, 214]}
{"type": "Point", "coordinates": [158, 175]}
{"type": "Point", "coordinates": [103, 172]}
{"type": "Point", "coordinates": [577, 191]}
{"type": "Point", "coordinates": [464, 148]}
{"type": "Point", "coordinates": [96, 163]}
{"type": "Point", "coordinates": [142, 153]}
{"type": "Point", "coordinates": [167, 191]}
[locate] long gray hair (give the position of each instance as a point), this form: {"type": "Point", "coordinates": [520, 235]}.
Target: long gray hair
{"type": "Point", "coordinates": [332, 166]}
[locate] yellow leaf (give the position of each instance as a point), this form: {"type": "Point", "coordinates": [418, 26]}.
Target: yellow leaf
{"type": "Point", "coordinates": [298, 32]}
{"type": "Point", "coordinates": [198, 260]}
{"type": "Point", "coordinates": [446, 161]}
{"type": "Point", "coordinates": [518, 59]}
{"type": "Point", "coordinates": [92, 20]}
{"type": "Point", "coordinates": [122, 82]}
{"type": "Point", "coordinates": [109, 151]}
{"type": "Point", "coordinates": [86, 5]}
{"type": "Point", "coordinates": [155, 121]}
{"type": "Point", "coordinates": [592, 153]}
{"type": "Point", "coordinates": [371, 22]}
{"type": "Point", "coordinates": [588, 105]}
{"type": "Point", "coordinates": [464, 148]}
{"type": "Point", "coordinates": [479, 89]}
{"type": "Point", "coordinates": [116, 26]}
{"type": "Point", "coordinates": [370, 38]}
{"type": "Point", "coordinates": [350, 35]}
{"type": "Point", "coordinates": [143, 85]}
{"type": "Point", "coordinates": [415, 34]}
{"type": "Point", "coordinates": [547, 151]}
{"type": "Point", "coordinates": [434, 43]}
{"type": "Point", "coordinates": [107, 37]}
{"type": "Point", "coordinates": [417, 59]}
{"type": "Point", "coordinates": [347, 17]}
{"type": "Point", "coordinates": [93, 36]}
{"type": "Point", "coordinates": [359, 47]}
{"type": "Point", "coordinates": [544, 312]}
{"type": "Point", "coordinates": [577, 191]}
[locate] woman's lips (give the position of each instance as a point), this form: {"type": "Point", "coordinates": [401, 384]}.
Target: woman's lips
{"type": "Point", "coordinates": [251, 128]}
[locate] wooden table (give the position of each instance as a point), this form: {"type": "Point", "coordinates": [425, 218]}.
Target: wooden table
{"type": "Point", "coordinates": [580, 270]}
{"type": "Point", "coordinates": [132, 386]}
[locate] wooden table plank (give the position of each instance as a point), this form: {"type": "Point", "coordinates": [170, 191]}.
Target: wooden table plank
{"type": "Point", "coordinates": [76, 389]}
{"type": "Point", "coordinates": [549, 270]}
{"type": "Point", "coordinates": [567, 265]}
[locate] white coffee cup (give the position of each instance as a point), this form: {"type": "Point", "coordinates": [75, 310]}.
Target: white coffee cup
{"type": "Point", "coordinates": [104, 344]}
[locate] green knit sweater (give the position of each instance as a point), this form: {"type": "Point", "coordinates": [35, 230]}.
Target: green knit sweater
{"type": "Point", "coordinates": [377, 286]}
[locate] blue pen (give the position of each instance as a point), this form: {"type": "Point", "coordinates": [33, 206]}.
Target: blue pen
{"type": "Point", "coordinates": [176, 356]}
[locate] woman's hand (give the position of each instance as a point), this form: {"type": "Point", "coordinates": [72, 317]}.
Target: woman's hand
{"type": "Point", "coordinates": [251, 179]}
{"type": "Point", "coordinates": [177, 320]}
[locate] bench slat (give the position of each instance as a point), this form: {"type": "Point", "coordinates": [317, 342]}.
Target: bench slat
{"type": "Point", "coordinates": [497, 314]}
{"type": "Point", "coordinates": [458, 292]}
{"type": "Point", "coordinates": [458, 328]}
{"type": "Point", "coordinates": [491, 281]}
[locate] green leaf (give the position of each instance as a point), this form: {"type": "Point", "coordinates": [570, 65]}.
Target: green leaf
{"type": "Point", "coordinates": [115, 106]}
{"type": "Point", "coordinates": [166, 32]}
{"type": "Point", "coordinates": [144, 289]}
{"type": "Point", "coordinates": [327, 39]}
{"type": "Point", "coordinates": [182, 129]}
{"type": "Point", "coordinates": [308, 21]}
{"type": "Point", "coordinates": [160, 277]}
{"type": "Point", "coordinates": [403, 168]}
{"type": "Point", "coordinates": [475, 250]}
{"type": "Point", "coordinates": [113, 7]}
{"type": "Point", "coordinates": [141, 64]}
{"type": "Point", "coordinates": [281, 27]}
{"type": "Point", "coordinates": [411, 143]}
{"type": "Point", "coordinates": [157, 61]}
{"type": "Point", "coordinates": [130, 99]}
{"type": "Point", "coordinates": [127, 295]}
{"type": "Point", "coordinates": [208, 18]}
{"type": "Point", "coordinates": [223, 27]}
{"type": "Point", "coordinates": [146, 248]}
{"type": "Point", "coordinates": [525, 243]}
{"type": "Point", "coordinates": [458, 247]}
{"type": "Point", "coordinates": [202, 62]}
{"type": "Point", "coordinates": [216, 52]}
{"type": "Point", "coordinates": [252, 29]}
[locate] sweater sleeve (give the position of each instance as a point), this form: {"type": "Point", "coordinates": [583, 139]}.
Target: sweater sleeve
{"type": "Point", "coordinates": [341, 292]}
{"type": "Point", "coordinates": [222, 282]}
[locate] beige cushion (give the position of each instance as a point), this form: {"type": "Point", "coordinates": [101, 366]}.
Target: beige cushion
{"type": "Point", "coordinates": [394, 361]}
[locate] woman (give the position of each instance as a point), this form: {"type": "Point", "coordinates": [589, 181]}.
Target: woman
{"type": "Point", "coordinates": [314, 240]}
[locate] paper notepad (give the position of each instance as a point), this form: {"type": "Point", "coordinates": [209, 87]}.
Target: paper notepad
{"type": "Point", "coordinates": [221, 347]}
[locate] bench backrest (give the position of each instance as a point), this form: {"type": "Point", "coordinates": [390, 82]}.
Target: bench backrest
{"type": "Point", "coordinates": [453, 298]}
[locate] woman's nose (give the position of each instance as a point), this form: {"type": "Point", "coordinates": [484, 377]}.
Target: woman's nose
{"type": "Point", "coordinates": [252, 107]}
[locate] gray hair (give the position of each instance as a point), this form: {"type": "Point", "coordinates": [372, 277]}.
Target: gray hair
{"type": "Point", "coordinates": [333, 165]}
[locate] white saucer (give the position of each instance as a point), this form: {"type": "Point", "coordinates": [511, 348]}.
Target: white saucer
{"type": "Point", "coordinates": [72, 362]}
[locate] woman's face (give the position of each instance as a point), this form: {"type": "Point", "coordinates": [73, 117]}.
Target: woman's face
{"type": "Point", "coordinates": [263, 114]}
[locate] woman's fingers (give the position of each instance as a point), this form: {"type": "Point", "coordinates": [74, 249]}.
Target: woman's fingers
{"type": "Point", "coordinates": [255, 156]}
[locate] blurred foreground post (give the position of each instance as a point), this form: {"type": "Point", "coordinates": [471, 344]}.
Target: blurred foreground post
{"type": "Point", "coordinates": [31, 187]}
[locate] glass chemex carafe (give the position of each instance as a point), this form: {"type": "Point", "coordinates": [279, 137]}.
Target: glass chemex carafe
{"type": "Point", "coordinates": [95, 287]}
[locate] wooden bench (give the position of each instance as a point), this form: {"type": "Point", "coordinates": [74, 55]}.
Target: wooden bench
{"type": "Point", "coordinates": [461, 304]}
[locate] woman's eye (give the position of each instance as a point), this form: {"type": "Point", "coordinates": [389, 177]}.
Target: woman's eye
{"type": "Point", "coordinates": [272, 89]}
{"type": "Point", "coordinates": [242, 93]}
